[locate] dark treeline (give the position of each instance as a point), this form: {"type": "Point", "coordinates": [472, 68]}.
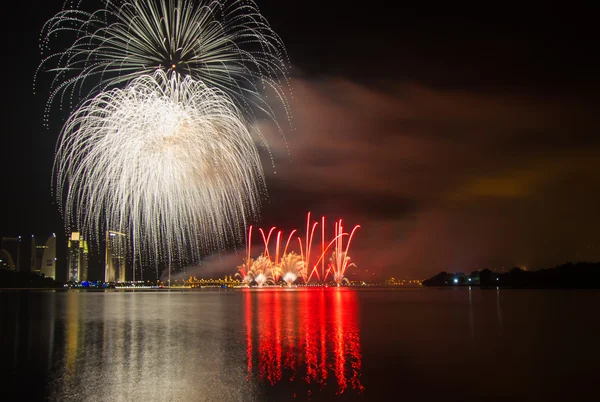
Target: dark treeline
{"type": "Point", "coordinates": [580, 275]}
{"type": "Point", "coordinates": [14, 279]}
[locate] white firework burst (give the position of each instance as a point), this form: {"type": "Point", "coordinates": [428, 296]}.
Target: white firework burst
{"type": "Point", "coordinates": [167, 160]}
{"type": "Point", "coordinates": [261, 271]}
{"type": "Point", "coordinates": [225, 44]}
{"type": "Point", "coordinates": [291, 267]}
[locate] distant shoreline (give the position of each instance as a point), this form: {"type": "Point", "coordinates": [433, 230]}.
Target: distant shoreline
{"type": "Point", "coordinates": [580, 275]}
{"type": "Point", "coordinates": [209, 288]}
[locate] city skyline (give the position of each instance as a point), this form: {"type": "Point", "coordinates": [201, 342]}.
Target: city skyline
{"type": "Point", "coordinates": [38, 254]}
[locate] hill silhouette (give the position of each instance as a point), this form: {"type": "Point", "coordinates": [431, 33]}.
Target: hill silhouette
{"type": "Point", "coordinates": [13, 279]}
{"type": "Point", "coordinates": [580, 275]}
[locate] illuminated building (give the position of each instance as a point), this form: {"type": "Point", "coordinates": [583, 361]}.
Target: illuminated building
{"type": "Point", "coordinates": [43, 255]}
{"type": "Point", "coordinates": [10, 251]}
{"type": "Point", "coordinates": [77, 256]}
{"type": "Point", "coordinates": [116, 257]}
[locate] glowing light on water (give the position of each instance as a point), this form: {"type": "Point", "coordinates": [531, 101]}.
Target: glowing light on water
{"type": "Point", "coordinates": [167, 160]}
{"type": "Point", "coordinates": [313, 347]}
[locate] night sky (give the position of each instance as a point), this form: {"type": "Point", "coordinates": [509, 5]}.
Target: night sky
{"type": "Point", "coordinates": [459, 138]}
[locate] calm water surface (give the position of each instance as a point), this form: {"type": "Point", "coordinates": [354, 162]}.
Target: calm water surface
{"type": "Point", "coordinates": [321, 344]}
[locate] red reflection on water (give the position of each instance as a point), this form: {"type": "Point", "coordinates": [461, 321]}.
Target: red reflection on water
{"type": "Point", "coordinates": [277, 314]}
{"type": "Point", "coordinates": [322, 314]}
{"type": "Point", "coordinates": [340, 356]}
{"type": "Point", "coordinates": [289, 341]}
{"type": "Point", "coordinates": [248, 316]}
{"type": "Point", "coordinates": [269, 337]}
{"type": "Point", "coordinates": [304, 334]}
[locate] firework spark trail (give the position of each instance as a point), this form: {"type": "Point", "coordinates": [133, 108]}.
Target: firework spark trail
{"type": "Point", "coordinates": [291, 266]}
{"type": "Point", "coordinates": [340, 261]}
{"type": "Point", "coordinates": [167, 160]}
{"type": "Point", "coordinates": [224, 44]}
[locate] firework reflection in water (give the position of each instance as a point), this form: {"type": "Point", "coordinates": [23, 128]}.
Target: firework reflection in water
{"type": "Point", "coordinates": [306, 340]}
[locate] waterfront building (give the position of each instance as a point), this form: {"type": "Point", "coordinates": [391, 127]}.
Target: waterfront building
{"type": "Point", "coordinates": [77, 256]}
{"type": "Point", "coordinates": [116, 257]}
{"type": "Point", "coordinates": [43, 255]}
{"type": "Point", "coordinates": [10, 251]}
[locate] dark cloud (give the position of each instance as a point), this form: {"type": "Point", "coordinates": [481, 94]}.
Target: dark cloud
{"type": "Point", "coordinates": [439, 179]}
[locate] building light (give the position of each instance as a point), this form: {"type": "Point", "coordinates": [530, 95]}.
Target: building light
{"type": "Point", "coordinates": [455, 280]}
